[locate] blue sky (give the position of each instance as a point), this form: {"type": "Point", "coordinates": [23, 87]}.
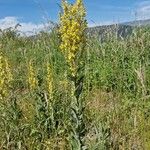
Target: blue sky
{"type": "Point", "coordinates": [98, 11]}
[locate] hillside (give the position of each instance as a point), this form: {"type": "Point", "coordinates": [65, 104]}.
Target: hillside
{"type": "Point", "coordinates": [138, 23]}
{"type": "Point", "coordinates": [121, 30]}
{"type": "Point", "coordinates": [102, 31]}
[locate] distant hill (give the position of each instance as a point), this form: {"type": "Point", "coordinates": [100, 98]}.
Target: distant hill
{"type": "Point", "coordinates": [138, 23]}
{"type": "Point", "coordinates": [122, 30]}
{"type": "Point", "coordinates": [119, 30]}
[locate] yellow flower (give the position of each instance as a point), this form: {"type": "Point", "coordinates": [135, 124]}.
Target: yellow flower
{"type": "Point", "coordinates": [32, 79]}
{"type": "Point", "coordinates": [72, 31]}
{"type": "Point", "coordinates": [5, 77]}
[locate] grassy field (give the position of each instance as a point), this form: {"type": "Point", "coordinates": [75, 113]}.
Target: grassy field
{"type": "Point", "coordinates": [116, 93]}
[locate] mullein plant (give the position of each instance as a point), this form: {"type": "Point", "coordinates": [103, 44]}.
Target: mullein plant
{"type": "Point", "coordinates": [73, 40]}
{"type": "Point", "coordinates": [32, 77]}
{"type": "Point", "coordinates": [44, 118]}
{"type": "Point", "coordinates": [49, 100]}
{"type": "Point", "coordinates": [5, 77]}
{"type": "Point", "coordinates": [49, 80]}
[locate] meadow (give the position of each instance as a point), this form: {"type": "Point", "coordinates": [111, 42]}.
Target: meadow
{"type": "Point", "coordinates": [102, 105]}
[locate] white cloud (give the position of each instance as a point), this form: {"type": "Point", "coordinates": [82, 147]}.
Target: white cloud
{"type": "Point", "coordinates": [143, 10]}
{"type": "Point", "coordinates": [25, 28]}
{"type": "Point", "coordinates": [8, 22]}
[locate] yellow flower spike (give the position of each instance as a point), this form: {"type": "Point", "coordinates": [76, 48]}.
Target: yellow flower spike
{"type": "Point", "coordinates": [72, 33]}
{"type": "Point", "coordinates": [72, 27]}
{"type": "Point", "coordinates": [5, 77]}
{"type": "Point", "coordinates": [32, 79]}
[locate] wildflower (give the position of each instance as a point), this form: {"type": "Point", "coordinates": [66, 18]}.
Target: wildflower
{"type": "Point", "coordinates": [49, 80]}
{"type": "Point", "coordinates": [72, 31]}
{"type": "Point", "coordinates": [73, 40]}
{"type": "Point", "coordinates": [5, 77]}
{"type": "Point", "coordinates": [32, 80]}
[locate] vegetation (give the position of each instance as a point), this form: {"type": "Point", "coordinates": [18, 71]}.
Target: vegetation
{"type": "Point", "coordinates": [93, 94]}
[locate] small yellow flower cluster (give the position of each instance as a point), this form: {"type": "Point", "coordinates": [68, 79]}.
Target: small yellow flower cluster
{"type": "Point", "coordinates": [72, 31]}
{"type": "Point", "coordinates": [49, 80]}
{"type": "Point", "coordinates": [32, 79]}
{"type": "Point", "coordinates": [5, 77]}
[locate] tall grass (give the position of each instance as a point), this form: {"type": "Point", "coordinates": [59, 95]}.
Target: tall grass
{"type": "Point", "coordinates": [116, 93]}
